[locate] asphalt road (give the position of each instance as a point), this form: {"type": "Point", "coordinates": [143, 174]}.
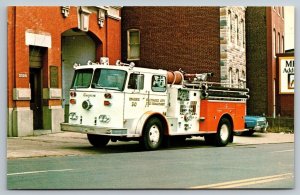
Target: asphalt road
{"type": "Point", "coordinates": [127, 167]}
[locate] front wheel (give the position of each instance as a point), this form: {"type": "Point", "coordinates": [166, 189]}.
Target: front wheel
{"type": "Point", "coordinates": [224, 133]}
{"type": "Point", "coordinates": [152, 134]}
{"type": "Point", "coordinates": [98, 141]}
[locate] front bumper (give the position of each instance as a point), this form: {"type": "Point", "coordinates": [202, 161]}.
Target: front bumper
{"type": "Point", "coordinates": [261, 128]}
{"type": "Point", "coordinates": [94, 130]}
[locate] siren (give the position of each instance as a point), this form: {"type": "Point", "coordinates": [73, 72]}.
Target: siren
{"type": "Point", "coordinates": [104, 61]}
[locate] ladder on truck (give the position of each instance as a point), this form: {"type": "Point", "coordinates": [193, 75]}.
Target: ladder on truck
{"type": "Point", "coordinates": [214, 90]}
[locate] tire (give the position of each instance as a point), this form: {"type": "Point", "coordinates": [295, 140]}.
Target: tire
{"type": "Point", "coordinates": [152, 134]}
{"type": "Point", "coordinates": [224, 133]}
{"type": "Point", "coordinates": [210, 139]}
{"type": "Point", "coordinates": [98, 141]}
{"type": "Point", "coordinates": [248, 133]}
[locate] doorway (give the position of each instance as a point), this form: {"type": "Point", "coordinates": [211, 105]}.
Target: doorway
{"type": "Point", "coordinates": [36, 55]}
{"type": "Point", "coordinates": [36, 98]}
{"type": "Point", "coordinates": [77, 47]}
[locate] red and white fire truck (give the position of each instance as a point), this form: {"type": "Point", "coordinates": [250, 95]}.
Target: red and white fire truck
{"type": "Point", "coordinates": [123, 102]}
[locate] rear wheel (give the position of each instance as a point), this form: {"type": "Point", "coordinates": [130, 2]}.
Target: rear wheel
{"type": "Point", "coordinates": [98, 141]}
{"type": "Point", "coordinates": [152, 134]}
{"type": "Point", "coordinates": [224, 132]}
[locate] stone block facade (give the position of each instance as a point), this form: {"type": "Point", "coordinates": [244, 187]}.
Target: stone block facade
{"type": "Point", "coordinates": [232, 46]}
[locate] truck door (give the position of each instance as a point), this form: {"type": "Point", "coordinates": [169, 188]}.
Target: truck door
{"type": "Point", "coordinates": [135, 97]}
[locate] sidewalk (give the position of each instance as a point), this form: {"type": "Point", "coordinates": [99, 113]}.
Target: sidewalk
{"type": "Point", "coordinates": [68, 144]}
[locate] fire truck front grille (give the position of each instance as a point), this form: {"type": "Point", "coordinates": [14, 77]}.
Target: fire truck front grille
{"type": "Point", "coordinates": [261, 123]}
{"type": "Point", "coordinates": [117, 131]}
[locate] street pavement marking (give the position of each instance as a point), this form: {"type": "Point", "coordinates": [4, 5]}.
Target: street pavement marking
{"type": "Point", "coordinates": [283, 151]}
{"type": "Point", "coordinates": [34, 172]}
{"type": "Point", "coordinates": [245, 182]}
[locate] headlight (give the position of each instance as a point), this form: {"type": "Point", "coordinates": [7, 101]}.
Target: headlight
{"type": "Point", "coordinates": [86, 104]}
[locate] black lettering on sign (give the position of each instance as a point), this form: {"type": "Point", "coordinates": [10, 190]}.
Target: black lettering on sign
{"type": "Point", "coordinates": [53, 77]}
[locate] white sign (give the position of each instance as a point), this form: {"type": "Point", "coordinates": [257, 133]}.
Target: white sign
{"type": "Point", "coordinates": [22, 75]}
{"type": "Point", "coordinates": [286, 75]}
{"type": "Point", "coordinates": [42, 40]}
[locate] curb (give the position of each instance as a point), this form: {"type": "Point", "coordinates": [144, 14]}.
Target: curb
{"type": "Point", "coordinates": [70, 144]}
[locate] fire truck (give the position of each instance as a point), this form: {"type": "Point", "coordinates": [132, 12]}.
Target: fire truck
{"type": "Point", "coordinates": [123, 103]}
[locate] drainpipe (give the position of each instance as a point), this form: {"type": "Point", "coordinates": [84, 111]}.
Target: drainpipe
{"type": "Point", "coordinates": [274, 98]}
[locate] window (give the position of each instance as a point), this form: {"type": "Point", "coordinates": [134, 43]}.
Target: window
{"type": "Point", "coordinates": [133, 49]}
{"type": "Point", "coordinates": [229, 26]}
{"type": "Point", "coordinates": [243, 33]}
{"type": "Point", "coordinates": [236, 30]}
{"type": "Point", "coordinates": [274, 43]}
{"type": "Point", "coordinates": [109, 79]}
{"type": "Point", "coordinates": [237, 76]}
{"type": "Point", "coordinates": [82, 78]}
{"type": "Point", "coordinates": [243, 82]}
{"type": "Point", "coordinates": [230, 77]}
{"type": "Point", "coordinates": [282, 45]}
{"type": "Point", "coordinates": [158, 83]}
{"type": "Point", "coordinates": [136, 81]}
{"type": "Point", "coordinates": [281, 11]}
{"type": "Point", "coordinates": [278, 46]}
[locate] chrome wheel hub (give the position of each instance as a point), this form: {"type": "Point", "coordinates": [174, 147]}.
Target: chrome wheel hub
{"type": "Point", "coordinates": [224, 132]}
{"type": "Point", "coordinates": [154, 135]}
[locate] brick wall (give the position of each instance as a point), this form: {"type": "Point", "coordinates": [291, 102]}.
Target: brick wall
{"type": "Point", "coordinates": [49, 20]}
{"type": "Point", "coordinates": [175, 37]}
{"type": "Point", "coordinates": [261, 60]}
{"type": "Point", "coordinates": [285, 105]}
{"type": "Point", "coordinates": [43, 27]}
{"type": "Point", "coordinates": [256, 60]}
{"type": "Point", "coordinates": [274, 22]}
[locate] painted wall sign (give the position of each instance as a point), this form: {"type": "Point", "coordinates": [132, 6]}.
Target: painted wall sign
{"type": "Point", "coordinates": [286, 75]}
{"type": "Point", "coordinates": [53, 77]}
{"type": "Point", "coordinates": [23, 75]}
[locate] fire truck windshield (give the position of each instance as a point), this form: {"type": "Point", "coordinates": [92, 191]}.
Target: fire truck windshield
{"type": "Point", "coordinates": [82, 78]}
{"type": "Point", "coordinates": [109, 79]}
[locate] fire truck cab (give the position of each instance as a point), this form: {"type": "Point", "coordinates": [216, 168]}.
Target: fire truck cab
{"type": "Point", "coordinates": [123, 102]}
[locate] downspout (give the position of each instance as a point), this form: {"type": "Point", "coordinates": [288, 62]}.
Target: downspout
{"type": "Point", "coordinates": [14, 50]}
{"type": "Point", "coordinates": [106, 36]}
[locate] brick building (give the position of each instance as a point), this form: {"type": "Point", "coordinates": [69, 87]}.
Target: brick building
{"type": "Point", "coordinates": [172, 38]}
{"type": "Point", "coordinates": [188, 38]}
{"type": "Point", "coordinates": [45, 42]}
{"type": "Point", "coordinates": [238, 44]}
{"type": "Point", "coordinates": [43, 45]}
{"type": "Point", "coordinates": [285, 80]}
{"type": "Point", "coordinates": [265, 39]}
